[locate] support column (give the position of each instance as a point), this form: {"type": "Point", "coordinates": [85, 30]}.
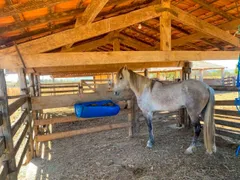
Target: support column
{"type": "Point", "coordinates": [24, 91]}
{"type": "Point", "coordinates": [201, 75]}
{"type": "Point", "coordinates": [146, 72]}
{"type": "Point", "coordinates": [116, 42]}
{"type": "Point", "coordinates": [6, 130]}
{"type": "Point", "coordinates": [186, 71]}
{"type": "Point", "coordinates": [165, 27]}
{"type": "Point", "coordinates": [222, 76]}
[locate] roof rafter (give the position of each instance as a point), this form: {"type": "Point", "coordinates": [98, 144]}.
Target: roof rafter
{"type": "Point", "coordinates": [212, 8]}
{"type": "Point", "coordinates": [183, 40]}
{"type": "Point", "coordinates": [87, 31]}
{"type": "Point", "coordinates": [204, 27]}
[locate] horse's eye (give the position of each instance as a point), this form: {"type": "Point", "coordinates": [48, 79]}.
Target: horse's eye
{"type": "Point", "coordinates": [120, 77]}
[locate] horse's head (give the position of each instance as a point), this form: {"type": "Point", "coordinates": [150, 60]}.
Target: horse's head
{"type": "Point", "coordinates": [122, 80]}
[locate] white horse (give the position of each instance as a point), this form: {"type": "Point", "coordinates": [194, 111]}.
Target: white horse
{"type": "Point", "coordinates": [196, 96]}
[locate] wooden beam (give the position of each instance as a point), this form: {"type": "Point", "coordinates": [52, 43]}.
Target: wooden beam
{"type": "Point", "coordinates": [165, 27]}
{"type": "Point", "coordinates": [204, 27]}
{"type": "Point", "coordinates": [214, 9]}
{"type": "Point", "coordinates": [135, 43]}
{"type": "Point", "coordinates": [19, 8]}
{"type": "Point", "coordinates": [91, 12]}
{"type": "Point", "coordinates": [85, 32]}
{"type": "Point", "coordinates": [46, 102]}
{"type": "Point", "coordinates": [94, 69]}
{"type": "Point", "coordinates": [59, 135]}
{"type": "Point", "coordinates": [183, 40]}
{"type": "Point", "coordinates": [89, 45]}
{"type": "Point", "coordinates": [116, 42]}
{"type": "Point", "coordinates": [111, 58]}
{"type": "Point", "coordinates": [89, 15]}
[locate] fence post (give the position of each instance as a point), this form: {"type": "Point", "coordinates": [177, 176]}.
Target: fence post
{"type": "Point", "coordinates": [186, 71]}
{"type": "Point", "coordinates": [6, 129]}
{"type": "Point", "coordinates": [24, 91]}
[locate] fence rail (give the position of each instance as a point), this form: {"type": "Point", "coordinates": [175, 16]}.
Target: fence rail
{"type": "Point", "coordinates": [84, 86]}
{"type": "Point", "coordinates": [227, 121]}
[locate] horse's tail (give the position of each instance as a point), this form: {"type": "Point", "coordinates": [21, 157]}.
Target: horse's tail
{"type": "Point", "coordinates": [209, 124]}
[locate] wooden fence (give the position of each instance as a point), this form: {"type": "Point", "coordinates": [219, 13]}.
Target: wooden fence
{"type": "Point", "coordinates": [84, 86]}
{"type": "Point", "coordinates": [227, 121]}
{"type": "Point", "coordinates": [16, 140]}
{"type": "Point", "coordinates": [229, 81]}
{"type": "Point", "coordinates": [48, 102]}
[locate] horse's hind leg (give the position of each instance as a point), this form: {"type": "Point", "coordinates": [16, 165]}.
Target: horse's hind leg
{"type": "Point", "coordinates": [148, 117]}
{"type": "Point", "coordinates": [195, 119]}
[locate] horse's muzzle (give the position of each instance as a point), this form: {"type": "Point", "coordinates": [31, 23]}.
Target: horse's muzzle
{"type": "Point", "coordinates": [116, 93]}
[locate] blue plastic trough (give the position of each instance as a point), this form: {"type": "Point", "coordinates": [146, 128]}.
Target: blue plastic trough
{"type": "Point", "coordinates": [96, 109]}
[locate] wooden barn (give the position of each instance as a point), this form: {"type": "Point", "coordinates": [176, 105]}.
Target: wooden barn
{"type": "Point", "coordinates": [78, 38]}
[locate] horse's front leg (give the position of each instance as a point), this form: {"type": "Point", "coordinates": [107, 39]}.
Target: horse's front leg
{"type": "Point", "coordinates": [149, 117]}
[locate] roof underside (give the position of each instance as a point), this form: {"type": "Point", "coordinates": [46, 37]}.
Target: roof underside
{"type": "Point", "coordinates": [22, 21]}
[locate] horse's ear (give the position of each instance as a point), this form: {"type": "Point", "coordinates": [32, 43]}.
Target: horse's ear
{"type": "Point", "coordinates": [125, 67]}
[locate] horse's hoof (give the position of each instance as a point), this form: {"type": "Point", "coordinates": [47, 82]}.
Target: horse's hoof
{"type": "Point", "coordinates": [149, 144]}
{"type": "Point", "coordinates": [190, 150]}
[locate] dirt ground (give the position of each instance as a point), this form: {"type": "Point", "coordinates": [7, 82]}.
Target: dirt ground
{"type": "Point", "coordinates": [111, 155]}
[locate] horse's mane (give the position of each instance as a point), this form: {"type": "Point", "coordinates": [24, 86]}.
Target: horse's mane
{"type": "Point", "coordinates": [139, 82]}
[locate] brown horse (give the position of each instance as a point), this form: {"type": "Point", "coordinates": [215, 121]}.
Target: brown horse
{"type": "Point", "coordinates": [196, 96]}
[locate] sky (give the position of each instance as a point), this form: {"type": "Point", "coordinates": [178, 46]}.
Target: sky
{"type": "Point", "coordinates": [228, 64]}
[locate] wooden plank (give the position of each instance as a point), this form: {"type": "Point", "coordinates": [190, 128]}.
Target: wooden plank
{"type": "Point", "coordinates": [106, 68]}
{"type": "Point", "coordinates": [3, 171]}
{"type": "Point", "coordinates": [2, 146]}
{"type": "Point", "coordinates": [6, 127]}
{"type": "Point", "coordinates": [231, 134]}
{"type": "Point", "coordinates": [214, 9]}
{"type": "Point", "coordinates": [20, 139]}
{"type": "Point", "coordinates": [85, 32]}
{"type": "Point", "coordinates": [46, 102]}
{"type": "Point", "coordinates": [62, 86]}
{"type": "Point", "coordinates": [17, 96]}
{"type": "Point", "coordinates": [165, 27]}
{"type": "Point", "coordinates": [71, 118]}
{"type": "Point", "coordinates": [49, 137]}
{"type": "Point", "coordinates": [16, 104]}
{"type": "Point", "coordinates": [204, 27]}
{"type": "Point", "coordinates": [232, 25]}
{"type": "Point", "coordinates": [62, 91]}
{"type": "Point", "coordinates": [19, 121]}
{"type": "Point", "coordinates": [225, 103]}
{"type": "Point", "coordinates": [227, 112]}
{"type": "Point", "coordinates": [227, 123]}
{"type": "Point", "coordinates": [112, 58]}
{"type": "Point", "coordinates": [23, 154]}
{"type": "Point", "coordinates": [225, 88]}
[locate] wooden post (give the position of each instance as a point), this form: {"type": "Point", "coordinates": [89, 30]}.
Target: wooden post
{"type": "Point", "coordinates": [222, 76]}
{"type": "Point", "coordinates": [146, 72]}
{"type": "Point", "coordinates": [201, 75]}
{"type": "Point", "coordinates": [165, 27]}
{"type": "Point", "coordinates": [27, 105]}
{"type": "Point", "coordinates": [130, 118]}
{"type": "Point", "coordinates": [6, 128]}
{"type": "Point", "coordinates": [116, 42]}
{"type": "Point", "coordinates": [186, 75]}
